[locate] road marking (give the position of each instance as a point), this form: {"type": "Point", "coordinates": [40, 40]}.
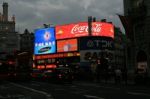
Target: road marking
{"type": "Point", "coordinates": [109, 87]}
{"type": "Point", "coordinates": [34, 90]}
{"type": "Point", "coordinates": [4, 87]}
{"type": "Point", "coordinates": [43, 83]}
{"type": "Point", "coordinates": [137, 93]}
{"type": "Point", "coordinates": [1, 97]}
{"type": "Point", "coordinates": [93, 97]}
{"type": "Point", "coordinates": [95, 85]}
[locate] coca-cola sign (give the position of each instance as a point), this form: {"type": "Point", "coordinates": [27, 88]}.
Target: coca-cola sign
{"type": "Point", "coordinates": [81, 29]}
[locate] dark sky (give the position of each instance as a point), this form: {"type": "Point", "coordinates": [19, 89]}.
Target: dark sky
{"type": "Point", "coordinates": [32, 14]}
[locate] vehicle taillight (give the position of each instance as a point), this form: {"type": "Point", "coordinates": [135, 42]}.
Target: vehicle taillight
{"type": "Point", "coordinates": [14, 74]}
{"type": "Point", "coordinates": [60, 76]}
{"type": "Point", "coordinates": [33, 75]}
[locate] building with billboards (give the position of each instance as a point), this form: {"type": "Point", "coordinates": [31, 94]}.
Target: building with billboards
{"type": "Point", "coordinates": [69, 44]}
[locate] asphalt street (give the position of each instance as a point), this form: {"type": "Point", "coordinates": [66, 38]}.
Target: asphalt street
{"type": "Point", "coordinates": [76, 90]}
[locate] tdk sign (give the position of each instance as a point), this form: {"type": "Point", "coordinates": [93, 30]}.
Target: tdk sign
{"type": "Point", "coordinates": [95, 43]}
{"type": "Point", "coordinates": [99, 43]}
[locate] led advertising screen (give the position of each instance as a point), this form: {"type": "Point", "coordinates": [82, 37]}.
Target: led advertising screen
{"type": "Point", "coordinates": [72, 30]}
{"type": "Point", "coordinates": [94, 43]}
{"type": "Point", "coordinates": [81, 29]}
{"type": "Point", "coordinates": [102, 29]}
{"type": "Point", "coordinates": [45, 41]}
{"type": "Point", "coordinates": [67, 45]}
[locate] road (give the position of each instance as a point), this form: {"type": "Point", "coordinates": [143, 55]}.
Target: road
{"type": "Point", "coordinates": [77, 90]}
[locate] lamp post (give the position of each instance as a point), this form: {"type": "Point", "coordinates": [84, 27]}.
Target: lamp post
{"type": "Point", "coordinates": [90, 25]}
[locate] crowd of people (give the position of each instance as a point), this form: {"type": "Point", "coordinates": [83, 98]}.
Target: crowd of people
{"type": "Point", "coordinates": [102, 71]}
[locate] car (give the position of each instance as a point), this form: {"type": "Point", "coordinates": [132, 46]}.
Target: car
{"type": "Point", "coordinates": [48, 75]}
{"type": "Point", "coordinates": [63, 74]}
{"type": "Point", "coordinates": [37, 74]}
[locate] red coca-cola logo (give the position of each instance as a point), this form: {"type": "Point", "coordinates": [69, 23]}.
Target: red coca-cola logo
{"type": "Point", "coordinates": [84, 28]}
{"type": "Point", "coordinates": [79, 29]}
{"type": "Point", "coordinates": [96, 27]}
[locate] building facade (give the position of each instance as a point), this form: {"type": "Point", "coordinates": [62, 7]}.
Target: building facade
{"type": "Point", "coordinates": [119, 49]}
{"type": "Point", "coordinates": [74, 45]}
{"type": "Point", "coordinates": [139, 50]}
{"type": "Point", "coordinates": [9, 38]}
{"type": "Point", "coordinates": [27, 41]}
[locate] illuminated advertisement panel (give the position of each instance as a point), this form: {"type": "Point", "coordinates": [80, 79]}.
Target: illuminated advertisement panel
{"type": "Point", "coordinates": [81, 29]}
{"type": "Point", "coordinates": [72, 30]}
{"type": "Point", "coordinates": [45, 41]}
{"type": "Point", "coordinates": [67, 45]}
{"type": "Point", "coordinates": [102, 29]}
{"type": "Point", "coordinates": [95, 42]}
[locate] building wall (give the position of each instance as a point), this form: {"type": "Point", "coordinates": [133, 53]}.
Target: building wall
{"type": "Point", "coordinates": [119, 51]}
{"type": "Point", "coordinates": [27, 41]}
{"type": "Point", "coordinates": [126, 6]}
{"type": "Point", "coordinates": [9, 38]}
{"type": "Point", "coordinates": [141, 29]}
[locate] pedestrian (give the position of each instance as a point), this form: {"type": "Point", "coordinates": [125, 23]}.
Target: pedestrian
{"type": "Point", "coordinates": [98, 72]}
{"type": "Point", "coordinates": [106, 76]}
{"type": "Point", "coordinates": [93, 70]}
{"type": "Point", "coordinates": [124, 75]}
{"type": "Point", "coordinates": [118, 76]}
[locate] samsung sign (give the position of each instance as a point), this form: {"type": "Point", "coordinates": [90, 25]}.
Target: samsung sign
{"type": "Point", "coordinates": [45, 42]}
{"type": "Point", "coordinates": [96, 43]}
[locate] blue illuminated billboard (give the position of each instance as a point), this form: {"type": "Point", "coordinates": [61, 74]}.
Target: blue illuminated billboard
{"type": "Point", "coordinates": [45, 42]}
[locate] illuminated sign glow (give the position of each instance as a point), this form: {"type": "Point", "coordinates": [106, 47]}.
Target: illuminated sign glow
{"type": "Point", "coordinates": [102, 29]}
{"type": "Point", "coordinates": [45, 42]}
{"type": "Point", "coordinates": [67, 45]}
{"type": "Point", "coordinates": [81, 29]}
{"type": "Point", "coordinates": [59, 55]}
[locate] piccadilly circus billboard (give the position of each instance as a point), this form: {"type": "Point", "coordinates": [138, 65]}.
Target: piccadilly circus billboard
{"type": "Point", "coordinates": [94, 43]}
{"type": "Point", "coordinates": [45, 42]}
{"type": "Point", "coordinates": [67, 45]}
{"type": "Point", "coordinates": [81, 29]}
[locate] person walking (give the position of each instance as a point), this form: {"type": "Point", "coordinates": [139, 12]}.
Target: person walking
{"type": "Point", "coordinates": [93, 70]}
{"type": "Point", "coordinates": [124, 75]}
{"type": "Point", "coordinates": [118, 74]}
